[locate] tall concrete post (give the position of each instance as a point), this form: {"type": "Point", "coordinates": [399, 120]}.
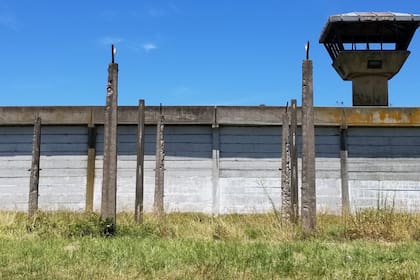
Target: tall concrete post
{"type": "Point", "coordinates": [308, 210]}
{"type": "Point", "coordinates": [286, 203]}
{"type": "Point", "coordinates": [34, 179]}
{"type": "Point", "coordinates": [294, 188]}
{"type": "Point", "coordinates": [138, 209]}
{"type": "Point", "coordinates": [109, 183]}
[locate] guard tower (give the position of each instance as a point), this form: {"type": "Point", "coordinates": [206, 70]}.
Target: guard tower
{"type": "Point", "coordinates": [369, 49]}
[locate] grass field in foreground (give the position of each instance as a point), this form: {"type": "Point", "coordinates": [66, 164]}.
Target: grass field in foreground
{"type": "Point", "coordinates": [372, 244]}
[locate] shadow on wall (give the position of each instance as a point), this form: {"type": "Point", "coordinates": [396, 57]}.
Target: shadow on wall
{"type": "Point", "coordinates": [384, 142]}
{"type": "Point", "coordinates": [234, 141]}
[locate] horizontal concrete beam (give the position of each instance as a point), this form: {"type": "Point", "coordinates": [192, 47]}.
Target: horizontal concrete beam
{"type": "Point", "coordinates": [367, 116]}
{"type": "Point", "coordinates": [211, 115]}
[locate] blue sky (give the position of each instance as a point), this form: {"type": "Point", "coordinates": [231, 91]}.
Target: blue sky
{"type": "Point", "coordinates": [180, 52]}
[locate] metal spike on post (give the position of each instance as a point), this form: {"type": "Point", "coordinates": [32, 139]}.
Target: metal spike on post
{"type": "Point", "coordinates": [34, 179]}
{"type": "Point", "coordinates": [109, 183]}
{"type": "Point", "coordinates": [160, 165]}
{"type": "Point", "coordinates": [138, 209]}
{"type": "Point", "coordinates": [308, 210]}
{"type": "Point", "coordinates": [113, 53]}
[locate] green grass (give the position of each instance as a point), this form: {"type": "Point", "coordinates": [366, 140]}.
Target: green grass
{"type": "Point", "coordinates": [372, 244]}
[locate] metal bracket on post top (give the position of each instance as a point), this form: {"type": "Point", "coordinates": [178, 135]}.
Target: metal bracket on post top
{"type": "Point", "coordinates": [307, 50]}
{"type": "Point", "coordinates": [113, 52]}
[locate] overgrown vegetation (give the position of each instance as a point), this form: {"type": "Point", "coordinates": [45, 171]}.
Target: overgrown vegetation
{"type": "Point", "coordinates": [371, 244]}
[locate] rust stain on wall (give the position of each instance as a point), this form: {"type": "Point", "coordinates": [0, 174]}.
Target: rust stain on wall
{"type": "Point", "coordinates": [324, 116]}
{"type": "Point", "coordinates": [368, 116]}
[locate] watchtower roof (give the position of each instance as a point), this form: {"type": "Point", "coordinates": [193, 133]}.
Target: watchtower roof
{"type": "Point", "coordinates": [369, 27]}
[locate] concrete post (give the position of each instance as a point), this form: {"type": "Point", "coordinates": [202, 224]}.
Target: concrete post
{"type": "Point", "coordinates": [345, 200]}
{"type": "Point", "coordinates": [34, 179]}
{"type": "Point", "coordinates": [160, 166]}
{"type": "Point", "coordinates": [109, 183]}
{"type": "Point", "coordinates": [215, 169]}
{"type": "Point", "coordinates": [294, 188]}
{"type": "Point", "coordinates": [286, 203]}
{"type": "Point", "coordinates": [90, 169]}
{"type": "Point", "coordinates": [138, 209]}
{"type": "Point", "coordinates": [308, 211]}
{"type": "Point", "coordinates": [215, 163]}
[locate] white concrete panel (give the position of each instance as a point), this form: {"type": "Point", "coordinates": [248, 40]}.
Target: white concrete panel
{"type": "Point", "coordinates": [383, 167]}
{"type": "Point", "coordinates": [250, 195]}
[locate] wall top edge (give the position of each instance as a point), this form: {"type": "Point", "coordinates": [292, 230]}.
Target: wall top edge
{"type": "Point", "coordinates": [211, 115]}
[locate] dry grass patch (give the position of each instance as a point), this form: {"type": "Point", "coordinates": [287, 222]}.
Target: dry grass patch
{"type": "Point", "coordinates": [372, 244]}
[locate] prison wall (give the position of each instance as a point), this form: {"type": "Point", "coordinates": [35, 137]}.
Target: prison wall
{"type": "Point", "coordinates": [384, 167]}
{"type": "Point", "coordinates": [227, 162]}
{"type": "Point", "coordinates": [63, 167]}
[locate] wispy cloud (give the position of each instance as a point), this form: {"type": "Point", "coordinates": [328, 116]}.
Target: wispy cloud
{"type": "Point", "coordinates": [148, 47]}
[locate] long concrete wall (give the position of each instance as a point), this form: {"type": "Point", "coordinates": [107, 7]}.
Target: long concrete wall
{"type": "Point", "coordinates": [217, 160]}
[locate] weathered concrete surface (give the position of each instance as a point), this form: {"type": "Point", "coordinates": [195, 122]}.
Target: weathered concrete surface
{"type": "Point", "coordinates": [240, 173]}
{"type": "Point", "coordinates": [138, 208]}
{"type": "Point", "coordinates": [203, 115]}
{"type": "Point", "coordinates": [367, 116]}
{"type": "Point", "coordinates": [34, 177]}
{"type": "Point", "coordinates": [109, 175]}
{"type": "Point", "coordinates": [294, 177]}
{"type": "Point", "coordinates": [308, 197]}
{"type": "Point", "coordinates": [369, 83]}
{"type": "Point", "coordinates": [188, 168]}
{"type": "Point", "coordinates": [382, 163]}
{"type": "Point", "coordinates": [63, 167]}
{"type": "Point", "coordinates": [286, 170]}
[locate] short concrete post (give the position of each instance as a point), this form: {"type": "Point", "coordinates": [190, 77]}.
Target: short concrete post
{"type": "Point", "coordinates": [34, 179]}
{"type": "Point", "coordinates": [308, 211]}
{"type": "Point", "coordinates": [160, 166]}
{"type": "Point", "coordinates": [109, 183]}
{"type": "Point", "coordinates": [215, 164]}
{"type": "Point", "coordinates": [286, 203]}
{"type": "Point", "coordinates": [90, 169]}
{"type": "Point", "coordinates": [345, 200]}
{"type": "Point", "coordinates": [294, 188]}
{"type": "Point", "coordinates": [138, 209]}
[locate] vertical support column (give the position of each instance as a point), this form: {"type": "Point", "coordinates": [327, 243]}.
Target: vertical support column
{"type": "Point", "coordinates": [286, 203]}
{"type": "Point", "coordinates": [138, 208]}
{"type": "Point", "coordinates": [34, 179]}
{"type": "Point", "coordinates": [215, 164]}
{"type": "Point", "coordinates": [294, 163]}
{"type": "Point", "coordinates": [90, 169]}
{"type": "Point", "coordinates": [345, 200]}
{"type": "Point", "coordinates": [160, 165]}
{"type": "Point", "coordinates": [308, 151]}
{"type": "Point", "coordinates": [109, 183]}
